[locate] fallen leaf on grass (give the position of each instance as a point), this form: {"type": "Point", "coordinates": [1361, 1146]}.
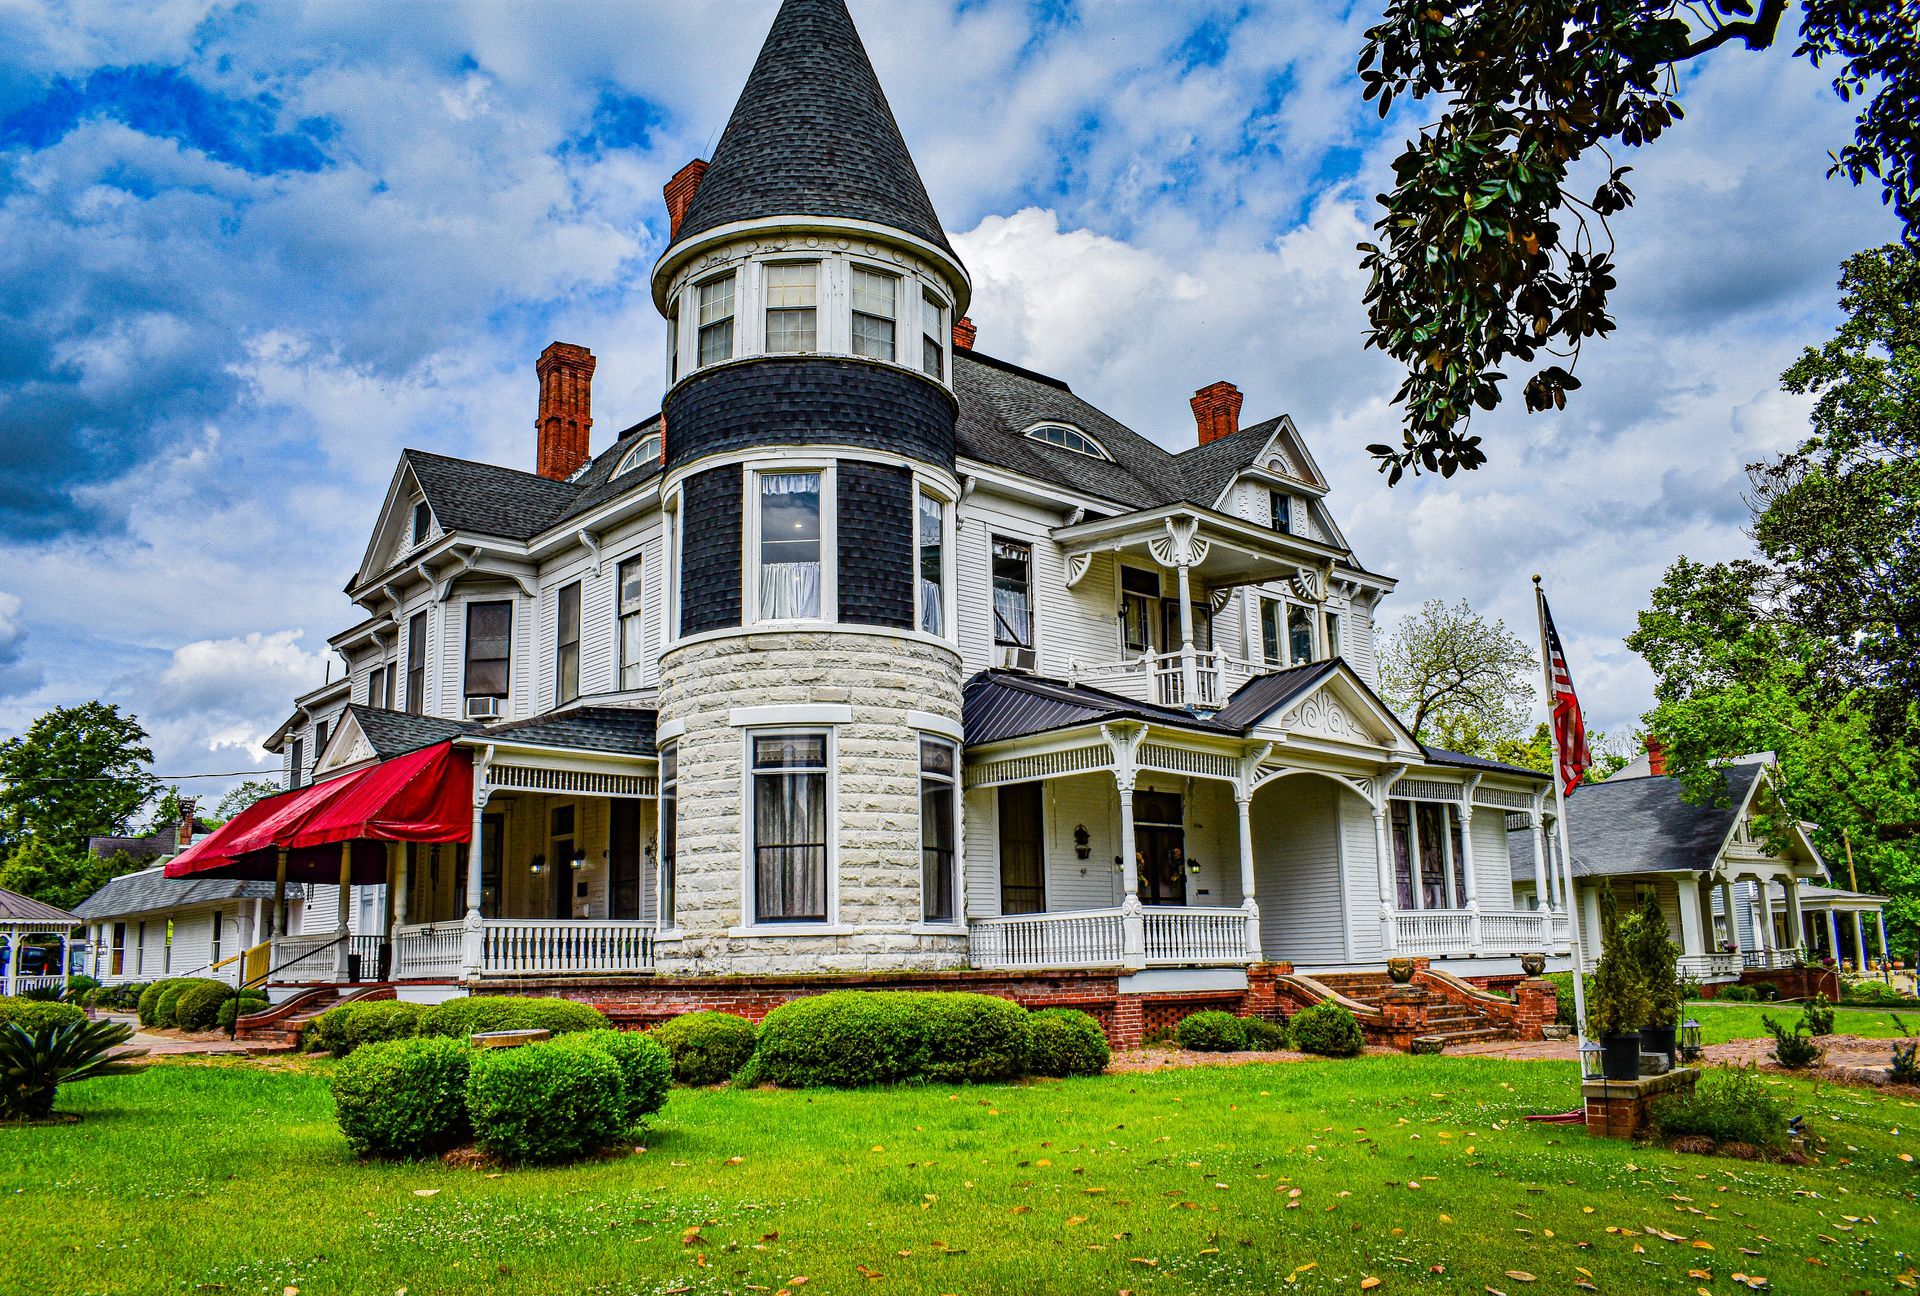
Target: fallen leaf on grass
{"type": "Point", "coordinates": [417, 1192]}
{"type": "Point", "coordinates": [1075, 1219]}
{"type": "Point", "coordinates": [1368, 1284]}
{"type": "Point", "coordinates": [1521, 1275]}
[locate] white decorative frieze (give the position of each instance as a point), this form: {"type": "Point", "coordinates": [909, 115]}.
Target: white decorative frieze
{"type": "Point", "coordinates": [1322, 716]}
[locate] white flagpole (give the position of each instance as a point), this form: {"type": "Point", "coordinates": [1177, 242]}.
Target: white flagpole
{"type": "Point", "coordinates": [1560, 830]}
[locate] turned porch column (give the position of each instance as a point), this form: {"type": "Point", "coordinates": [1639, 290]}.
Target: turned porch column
{"type": "Point", "coordinates": [1543, 889]}
{"type": "Point", "coordinates": [472, 945]}
{"type": "Point", "coordinates": [1833, 937]}
{"type": "Point", "coordinates": [1243, 807]}
{"type": "Point", "coordinates": [13, 961]}
{"type": "Point", "coordinates": [1880, 921]}
{"type": "Point", "coordinates": [1795, 921]}
{"type": "Point", "coordinates": [1189, 665]}
{"type": "Point", "coordinates": [1860, 944]}
{"type": "Point", "coordinates": [1472, 898]}
{"type": "Point", "coordinates": [1388, 901]}
{"type": "Point", "coordinates": [343, 928]}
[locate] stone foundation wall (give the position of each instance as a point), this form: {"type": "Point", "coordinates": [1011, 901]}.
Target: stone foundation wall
{"type": "Point", "coordinates": [876, 762]}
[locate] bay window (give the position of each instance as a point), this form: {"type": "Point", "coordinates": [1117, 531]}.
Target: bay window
{"type": "Point", "coordinates": [789, 798]}
{"type": "Point", "coordinates": [1429, 859]}
{"type": "Point", "coordinates": [933, 558]}
{"type": "Point", "coordinates": [632, 641]}
{"type": "Point", "coordinates": [714, 302]}
{"type": "Point", "coordinates": [793, 298]}
{"type": "Point", "coordinates": [1012, 593]}
{"type": "Point", "coordinates": [874, 311]}
{"type": "Point", "coordinates": [789, 558]}
{"type": "Point", "coordinates": [566, 655]}
{"type": "Point", "coordinates": [937, 791]}
{"type": "Point", "coordinates": [489, 649]}
{"type": "Point", "coordinates": [933, 335]}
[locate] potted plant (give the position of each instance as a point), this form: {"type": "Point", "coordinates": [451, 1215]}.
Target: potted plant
{"type": "Point", "coordinates": [1659, 960]}
{"type": "Point", "coordinates": [1617, 1002]}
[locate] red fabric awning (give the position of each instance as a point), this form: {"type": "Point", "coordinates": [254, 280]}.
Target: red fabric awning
{"type": "Point", "coordinates": [424, 796]}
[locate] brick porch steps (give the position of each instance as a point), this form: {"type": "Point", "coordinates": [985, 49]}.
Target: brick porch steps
{"type": "Point", "coordinates": [283, 1024]}
{"type": "Point", "coordinates": [1453, 1023]}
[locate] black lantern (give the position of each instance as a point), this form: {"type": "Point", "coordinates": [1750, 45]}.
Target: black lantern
{"type": "Point", "coordinates": [1690, 1047]}
{"type": "Point", "coordinates": [1591, 1065]}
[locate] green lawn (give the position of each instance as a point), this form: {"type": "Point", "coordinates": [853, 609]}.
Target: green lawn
{"type": "Point", "coordinates": [1722, 1022]}
{"type": "Point", "coordinates": [231, 1177]}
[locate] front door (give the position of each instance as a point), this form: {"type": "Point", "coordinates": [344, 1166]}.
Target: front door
{"type": "Point", "coordinates": [623, 857]}
{"type": "Point", "coordinates": [561, 867]}
{"type": "Point", "coordinates": [1160, 847]}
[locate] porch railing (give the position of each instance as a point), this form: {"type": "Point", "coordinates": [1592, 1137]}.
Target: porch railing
{"type": "Point", "coordinates": [565, 947]}
{"type": "Point", "coordinates": [23, 983]}
{"type": "Point", "coordinates": [428, 952]}
{"type": "Point", "coordinates": [1442, 932]}
{"type": "Point", "coordinates": [1169, 937]}
{"type": "Point", "coordinates": [1179, 936]}
{"type": "Point", "coordinates": [1710, 967]}
{"type": "Point", "coordinates": [1767, 960]}
{"type": "Point", "coordinates": [299, 958]}
{"type": "Point", "coordinates": [1161, 678]}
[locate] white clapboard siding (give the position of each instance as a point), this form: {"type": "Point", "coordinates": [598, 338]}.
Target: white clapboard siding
{"type": "Point", "coordinates": [1072, 882]}
{"type": "Point", "coordinates": [980, 815]}
{"type": "Point", "coordinates": [1492, 866]}
{"type": "Point", "coordinates": [1297, 871]}
{"type": "Point", "coordinates": [1361, 852]}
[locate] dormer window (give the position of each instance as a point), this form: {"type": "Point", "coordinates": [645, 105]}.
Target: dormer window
{"type": "Point", "coordinates": [715, 304]}
{"type": "Point", "coordinates": [1068, 438]}
{"type": "Point", "coordinates": [422, 522]}
{"type": "Point", "coordinates": [873, 313]}
{"type": "Point", "coordinates": [793, 295]}
{"type": "Point", "coordinates": [645, 451]}
{"type": "Point", "coordinates": [1282, 516]}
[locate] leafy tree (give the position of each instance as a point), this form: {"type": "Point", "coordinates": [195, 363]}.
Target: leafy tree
{"type": "Point", "coordinates": [1458, 681]}
{"type": "Point", "coordinates": [242, 795]}
{"type": "Point", "coordinates": [1535, 752]}
{"type": "Point", "coordinates": [77, 772]}
{"type": "Point", "coordinates": [62, 877]}
{"type": "Point", "coordinates": [1739, 671]}
{"type": "Point", "coordinates": [1491, 251]}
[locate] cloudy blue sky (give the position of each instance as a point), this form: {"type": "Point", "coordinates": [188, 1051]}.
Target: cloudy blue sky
{"type": "Point", "coordinates": [248, 251]}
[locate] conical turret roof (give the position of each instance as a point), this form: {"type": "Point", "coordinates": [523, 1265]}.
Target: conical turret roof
{"type": "Point", "coordinates": [812, 135]}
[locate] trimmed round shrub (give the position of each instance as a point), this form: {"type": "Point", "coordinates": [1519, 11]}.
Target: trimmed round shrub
{"type": "Point", "coordinates": [1212, 1031]}
{"type": "Point", "coordinates": [35, 1013]}
{"type": "Point", "coordinates": [974, 1037]}
{"type": "Point", "coordinates": [403, 1098]}
{"type": "Point", "coordinates": [247, 1001]}
{"type": "Point", "coordinates": [1262, 1035]}
{"type": "Point", "coordinates": [646, 1072]}
{"type": "Point", "coordinates": [706, 1048]}
{"type": "Point", "coordinates": [79, 987]}
{"type": "Point", "coordinates": [198, 1008]}
{"type": "Point", "coordinates": [1066, 1042]}
{"type": "Point", "coordinates": [1736, 994]}
{"type": "Point", "coordinates": [164, 1012]}
{"type": "Point", "coordinates": [327, 1033]}
{"type": "Point", "coordinates": [378, 1021]}
{"type": "Point", "coordinates": [558, 1016]}
{"type": "Point", "coordinates": [544, 1103]}
{"type": "Point", "coordinates": [845, 1039]}
{"type": "Point", "coordinates": [1327, 1029]}
{"type": "Point", "coordinates": [148, 1005]}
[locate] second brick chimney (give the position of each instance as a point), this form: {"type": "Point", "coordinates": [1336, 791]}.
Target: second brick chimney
{"type": "Point", "coordinates": [679, 193]}
{"type": "Point", "coordinates": [566, 409]}
{"type": "Point", "coordinates": [964, 334]}
{"type": "Point", "coordinates": [1216, 408]}
{"type": "Point", "coordinates": [1656, 757]}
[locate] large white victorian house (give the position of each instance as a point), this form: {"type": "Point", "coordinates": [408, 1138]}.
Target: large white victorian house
{"type": "Point", "coordinates": [873, 654]}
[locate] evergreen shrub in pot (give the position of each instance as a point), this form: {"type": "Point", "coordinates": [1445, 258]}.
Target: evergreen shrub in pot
{"type": "Point", "coordinates": [1659, 960]}
{"type": "Point", "coordinates": [1618, 1004]}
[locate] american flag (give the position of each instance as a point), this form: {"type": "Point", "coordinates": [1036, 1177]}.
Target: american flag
{"type": "Point", "coordinates": [1569, 728]}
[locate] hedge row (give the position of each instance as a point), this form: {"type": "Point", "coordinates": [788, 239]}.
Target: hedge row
{"type": "Point", "coordinates": [35, 1013]}
{"type": "Point", "coordinates": [192, 1003]}
{"type": "Point", "coordinates": [1326, 1028]}
{"type": "Point", "coordinates": [554, 1101]}
{"type": "Point", "coordinates": [341, 1030]}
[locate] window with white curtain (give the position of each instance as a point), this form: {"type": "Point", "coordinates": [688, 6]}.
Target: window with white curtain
{"type": "Point", "coordinates": [874, 311]}
{"type": "Point", "coordinates": [789, 584]}
{"type": "Point", "coordinates": [1012, 593]}
{"type": "Point", "coordinates": [932, 545]}
{"type": "Point", "coordinates": [933, 335]}
{"type": "Point", "coordinates": [790, 810]}
{"type": "Point", "coordinates": [632, 638]}
{"type": "Point", "coordinates": [793, 298]}
{"type": "Point", "coordinates": [714, 301]}
{"type": "Point", "coordinates": [1299, 634]}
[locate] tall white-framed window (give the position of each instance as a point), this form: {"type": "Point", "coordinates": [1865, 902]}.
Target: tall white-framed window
{"type": "Point", "coordinates": [1299, 634]}
{"type": "Point", "coordinates": [1012, 593]}
{"type": "Point", "coordinates": [1333, 635]}
{"type": "Point", "coordinates": [1429, 859]}
{"type": "Point", "coordinates": [793, 300]}
{"type": "Point", "coordinates": [673, 340]}
{"type": "Point", "coordinates": [1281, 516]}
{"type": "Point", "coordinates": [1272, 646]}
{"type": "Point", "coordinates": [566, 652]}
{"type": "Point", "coordinates": [669, 816]}
{"type": "Point", "coordinates": [633, 648]}
{"type": "Point", "coordinates": [789, 818]}
{"type": "Point", "coordinates": [791, 578]}
{"type": "Point", "coordinates": [489, 657]}
{"type": "Point", "coordinates": [939, 815]}
{"type": "Point", "coordinates": [1139, 595]}
{"type": "Point", "coordinates": [875, 308]}
{"type": "Point", "coordinates": [214, 953]}
{"type": "Point", "coordinates": [930, 527]}
{"type": "Point", "coordinates": [934, 333]}
{"type": "Point", "coordinates": [714, 300]}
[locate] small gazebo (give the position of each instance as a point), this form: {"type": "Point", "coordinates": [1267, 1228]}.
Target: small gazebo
{"type": "Point", "coordinates": [23, 916]}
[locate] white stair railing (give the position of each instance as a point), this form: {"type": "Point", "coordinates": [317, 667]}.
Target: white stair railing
{"type": "Point", "coordinates": [1187, 936]}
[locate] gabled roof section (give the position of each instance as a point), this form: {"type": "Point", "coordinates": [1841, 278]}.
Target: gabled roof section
{"type": "Point", "coordinates": [395, 733]}
{"type": "Point", "coordinates": [1321, 702]}
{"type": "Point", "coordinates": [813, 135]}
{"type": "Point", "coordinates": [150, 890]}
{"type": "Point", "coordinates": [1211, 469]}
{"type": "Point", "coordinates": [999, 705]}
{"type": "Point", "coordinates": [16, 908]}
{"type": "Point", "coordinates": [613, 731]}
{"type": "Point", "coordinates": [1643, 825]}
{"type": "Point", "coordinates": [487, 499]}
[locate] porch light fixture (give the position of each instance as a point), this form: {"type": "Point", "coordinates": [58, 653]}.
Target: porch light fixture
{"type": "Point", "coordinates": [1193, 866]}
{"type": "Point", "coordinates": [1082, 841]}
{"type": "Point", "coordinates": [539, 864]}
{"type": "Point", "coordinates": [1590, 1060]}
{"type": "Point", "coordinates": [579, 859]}
{"type": "Point", "coordinates": [1690, 1049]}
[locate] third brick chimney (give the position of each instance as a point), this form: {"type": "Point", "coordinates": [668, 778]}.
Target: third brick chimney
{"type": "Point", "coordinates": [679, 193]}
{"type": "Point", "coordinates": [1216, 408]}
{"type": "Point", "coordinates": [1656, 757]}
{"type": "Point", "coordinates": [566, 409]}
{"type": "Point", "coordinates": [964, 334]}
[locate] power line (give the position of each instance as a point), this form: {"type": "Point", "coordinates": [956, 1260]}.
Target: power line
{"type": "Point", "coordinates": [158, 778]}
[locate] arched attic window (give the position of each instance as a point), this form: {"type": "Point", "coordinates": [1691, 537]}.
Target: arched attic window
{"type": "Point", "coordinates": [646, 451]}
{"type": "Point", "coordinates": [1068, 438]}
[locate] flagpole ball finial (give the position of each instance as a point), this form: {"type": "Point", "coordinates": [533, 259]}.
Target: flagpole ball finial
{"type": "Point", "coordinates": [1536, 578]}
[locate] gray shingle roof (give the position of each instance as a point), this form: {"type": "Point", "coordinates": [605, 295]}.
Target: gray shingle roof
{"type": "Point", "coordinates": [1261, 696]}
{"type": "Point", "coordinates": [467, 495]}
{"type": "Point", "coordinates": [620, 731]}
{"type": "Point", "coordinates": [1640, 826]}
{"type": "Point", "coordinates": [998, 705]}
{"type": "Point", "coordinates": [16, 908]}
{"type": "Point", "coordinates": [1441, 756]}
{"type": "Point", "coordinates": [812, 134]}
{"type": "Point", "coordinates": [148, 891]}
{"type": "Point", "coordinates": [1209, 469]}
{"type": "Point", "coordinates": [395, 733]}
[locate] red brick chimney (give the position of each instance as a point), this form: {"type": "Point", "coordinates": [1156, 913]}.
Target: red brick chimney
{"type": "Point", "coordinates": [566, 409]}
{"type": "Point", "coordinates": [963, 334]}
{"type": "Point", "coordinates": [679, 193]}
{"type": "Point", "coordinates": [184, 837]}
{"type": "Point", "coordinates": [1656, 757]}
{"type": "Point", "coordinates": [1216, 408]}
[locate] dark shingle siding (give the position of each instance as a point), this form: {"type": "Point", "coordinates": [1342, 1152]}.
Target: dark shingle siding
{"type": "Point", "coordinates": [810, 402]}
{"type": "Point", "coordinates": [710, 563]}
{"type": "Point", "coordinates": [875, 516]}
{"type": "Point", "coordinates": [812, 135]}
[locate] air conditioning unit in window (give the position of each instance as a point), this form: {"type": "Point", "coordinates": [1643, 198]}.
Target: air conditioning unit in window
{"type": "Point", "coordinates": [484, 708]}
{"type": "Point", "coordinates": [1015, 658]}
